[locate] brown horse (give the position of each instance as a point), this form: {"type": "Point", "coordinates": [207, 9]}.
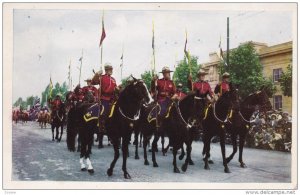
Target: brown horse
{"type": "Point", "coordinates": [44, 118]}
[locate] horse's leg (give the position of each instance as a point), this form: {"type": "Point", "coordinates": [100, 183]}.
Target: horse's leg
{"type": "Point", "coordinates": [206, 150]}
{"type": "Point", "coordinates": [191, 162]}
{"type": "Point", "coordinates": [116, 156]}
{"type": "Point", "coordinates": [141, 137]}
{"type": "Point", "coordinates": [222, 143]}
{"type": "Point", "coordinates": [136, 147]}
{"type": "Point", "coordinates": [125, 142]}
{"type": "Point", "coordinates": [154, 144]}
{"type": "Point", "coordinates": [175, 149]}
{"type": "Point", "coordinates": [52, 128]}
{"type": "Point", "coordinates": [90, 140]}
{"type": "Point", "coordinates": [188, 156]}
{"type": "Point", "coordinates": [234, 146]}
{"type": "Point", "coordinates": [241, 147]}
{"type": "Point", "coordinates": [145, 143]}
{"type": "Point", "coordinates": [61, 132]}
{"type": "Point", "coordinates": [182, 153]}
{"type": "Point", "coordinates": [57, 132]}
{"type": "Point", "coordinates": [82, 153]}
{"type": "Point", "coordinates": [162, 143]}
{"type": "Point", "coordinates": [78, 143]}
{"type": "Point", "coordinates": [100, 145]}
{"type": "Point", "coordinates": [166, 150]}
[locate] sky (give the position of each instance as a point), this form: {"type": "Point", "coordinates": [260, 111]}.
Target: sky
{"type": "Point", "coordinates": [45, 41]}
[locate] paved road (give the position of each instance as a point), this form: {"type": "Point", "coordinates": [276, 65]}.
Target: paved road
{"type": "Point", "coordinates": [36, 157]}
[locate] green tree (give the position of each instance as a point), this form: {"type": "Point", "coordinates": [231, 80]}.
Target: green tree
{"type": "Point", "coordinates": [29, 100]}
{"type": "Point", "coordinates": [124, 81]}
{"type": "Point", "coordinates": [286, 81]}
{"type": "Point", "coordinates": [45, 95]}
{"type": "Point", "coordinates": [182, 72]}
{"type": "Point", "coordinates": [18, 102]}
{"type": "Point", "coordinates": [146, 76]}
{"type": "Point", "coordinates": [246, 70]}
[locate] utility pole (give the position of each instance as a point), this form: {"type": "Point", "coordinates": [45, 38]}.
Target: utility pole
{"type": "Point", "coordinates": [227, 52]}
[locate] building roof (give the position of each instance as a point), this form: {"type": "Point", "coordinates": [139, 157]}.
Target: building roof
{"type": "Point", "coordinates": [276, 49]}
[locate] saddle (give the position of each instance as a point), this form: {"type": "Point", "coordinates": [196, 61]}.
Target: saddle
{"type": "Point", "coordinates": [156, 111]}
{"type": "Point", "coordinates": [93, 112]}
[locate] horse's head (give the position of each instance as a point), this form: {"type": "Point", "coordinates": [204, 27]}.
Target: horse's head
{"type": "Point", "coordinates": [138, 90]}
{"type": "Point", "coordinates": [261, 99]}
{"type": "Point", "coordinates": [191, 107]}
{"type": "Point", "coordinates": [232, 97]}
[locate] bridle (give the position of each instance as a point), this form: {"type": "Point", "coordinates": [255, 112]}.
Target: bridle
{"type": "Point", "coordinates": [135, 118]}
{"type": "Point", "coordinates": [188, 126]}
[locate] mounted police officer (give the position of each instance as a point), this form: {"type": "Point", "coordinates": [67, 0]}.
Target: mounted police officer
{"type": "Point", "coordinates": [164, 89]}
{"type": "Point", "coordinates": [108, 87]}
{"type": "Point", "coordinates": [55, 104]}
{"type": "Point", "coordinates": [224, 85]}
{"type": "Point", "coordinates": [180, 94]}
{"type": "Point", "coordinates": [79, 95]}
{"type": "Point", "coordinates": [201, 87]}
{"type": "Point", "coordinates": [90, 92]}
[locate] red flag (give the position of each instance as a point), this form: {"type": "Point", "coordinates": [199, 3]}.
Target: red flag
{"type": "Point", "coordinates": [103, 35]}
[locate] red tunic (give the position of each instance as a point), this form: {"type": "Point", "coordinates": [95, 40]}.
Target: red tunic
{"type": "Point", "coordinates": [222, 87]}
{"type": "Point", "coordinates": [92, 90]}
{"type": "Point", "coordinates": [108, 86]}
{"type": "Point", "coordinates": [165, 88]}
{"type": "Point", "coordinates": [55, 104]}
{"type": "Point", "coordinates": [180, 94]}
{"type": "Point", "coordinates": [203, 87]}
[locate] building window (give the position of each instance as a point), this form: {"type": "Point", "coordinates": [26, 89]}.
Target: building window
{"type": "Point", "coordinates": [277, 74]}
{"type": "Point", "coordinates": [277, 102]}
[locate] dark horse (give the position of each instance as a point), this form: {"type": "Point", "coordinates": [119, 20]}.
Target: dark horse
{"type": "Point", "coordinates": [214, 123]}
{"type": "Point", "coordinates": [124, 118]}
{"type": "Point", "coordinates": [58, 120]}
{"type": "Point", "coordinates": [180, 125]}
{"type": "Point", "coordinates": [239, 124]}
{"type": "Point", "coordinates": [73, 122]}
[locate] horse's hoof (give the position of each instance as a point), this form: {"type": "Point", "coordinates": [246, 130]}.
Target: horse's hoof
{"type": "Point", "coordinates": [100, 146]}
{"type": "Point", "coordinates": [210, 162]}
{"type": "Point", "coordinates": [155, 164]}
{"type": "Point", "coordinates": [176, 170]}
{"type": "Point", "coordinates": [146, 162]}
{"type": "Point", "coordinates": [243, 165]}
{"type": "Point", "coordinates": [206, 167]}
{"type": "Point", "coordinates": [109, 172]}
{"type": "Point", "coordinates": [137, 157]}
{"type": "Point", "coordinates": [127, 176]}
{"type": "Point", "coordinates": [52, 139]}
{"type": "Point", "coordinates": [108, 144]}
{"type": "Point", "coordinates": [226, 170]}
{"type": "Point", "coordinates": [150, 150]}
{"type": "Point", "coordinates": [181, 157]}
{"type": "Point", "coordinates": [83, 169]}
{"type": "Point", "coordinates": [91, 171]}
{"type": "Point", "coordinates": [191, 162]}
{"type": "Point", "coordinates": [164, 154]}
{"type": "Point", "coordinates": [184, 167]}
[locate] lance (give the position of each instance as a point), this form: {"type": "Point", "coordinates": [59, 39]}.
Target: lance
{"type": "Point", "coordinates": [80, 65]}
